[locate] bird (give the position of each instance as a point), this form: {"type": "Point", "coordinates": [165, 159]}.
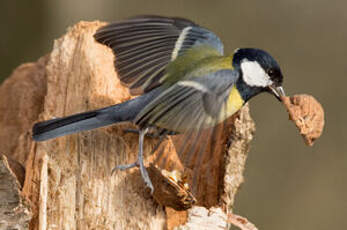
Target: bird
{"type": "Point", "coordinates": [182, 79]}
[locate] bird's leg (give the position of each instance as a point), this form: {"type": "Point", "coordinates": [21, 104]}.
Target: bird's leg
{"type": "Point", "coordinates": [136, 163]}
{"type": "Point", "coordinates": [131, 131]}
{"type": "Point", "coordinates": [143, 170]}
{"type": "Point", "coordinates": [162, 137]}
{"type": "Point", "coordinates": [152, 132]}
{"type": "Point", "coordinates": [139, 161]}
{"type": "Point", "coordinates": [125, 167]}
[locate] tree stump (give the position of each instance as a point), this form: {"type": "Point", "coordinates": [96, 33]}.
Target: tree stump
{"type": "Point", "coordinates": [68, 180]}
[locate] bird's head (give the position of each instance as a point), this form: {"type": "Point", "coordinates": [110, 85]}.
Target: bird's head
{"type": "Point", "coordinates": [259, 73]}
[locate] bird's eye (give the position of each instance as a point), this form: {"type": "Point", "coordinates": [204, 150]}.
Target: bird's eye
{"type": "Point", "coordinates": [270, 72]}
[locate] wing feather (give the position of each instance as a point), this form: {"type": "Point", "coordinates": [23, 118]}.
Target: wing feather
{"type": "Point", "coordinates": [145, 45]}
{"type": "Point", "coordinates": [190, 104]}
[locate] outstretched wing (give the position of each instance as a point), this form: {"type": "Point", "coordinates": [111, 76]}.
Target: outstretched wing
{"type": "Point", "coordinates": [145, 45]}
{"type": "Point", "coordinates": [195, 108]}
{"type": "Point", "coordinates": [194, 104]}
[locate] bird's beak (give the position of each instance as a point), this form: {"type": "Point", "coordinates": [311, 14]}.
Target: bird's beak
{"type": "Point", "coordinates": [277, 91]}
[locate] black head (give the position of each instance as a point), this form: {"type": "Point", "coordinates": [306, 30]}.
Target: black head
{"type": "Point", "coordinates": [259, 70]}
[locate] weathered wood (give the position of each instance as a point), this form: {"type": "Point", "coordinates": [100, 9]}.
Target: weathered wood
{"type": "Point", "coordinates": [14, 209]}
{"type": "Point", "coordinates": [68, 179]}
{"type": "Point", "coordinates": [21, 102]}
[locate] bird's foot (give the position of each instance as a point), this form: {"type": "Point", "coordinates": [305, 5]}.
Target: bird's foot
{"type": "Point", "coordinates": [125, 167]}
{"type": "Point", "coordinates": [144, 173]}
{"type": "Point", "coordinates": [145, 177]}
{"type": "Point", "coordinates": [139, 163]}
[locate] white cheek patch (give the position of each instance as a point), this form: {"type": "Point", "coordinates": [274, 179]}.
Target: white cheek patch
{"type": "Point", "coordinates": [254, 75]}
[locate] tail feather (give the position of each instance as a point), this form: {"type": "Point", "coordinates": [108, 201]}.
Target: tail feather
{"type": "Point", "coordinates": [72, 124]}
{"type": "Point", "coordinates": [126, 111]}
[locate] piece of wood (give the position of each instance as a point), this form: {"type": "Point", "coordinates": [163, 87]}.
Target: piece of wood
{"type": "Point", "coordinates": [68, 179]}
{"type": "Point", "coordinates": [21, 102]}
{"type": "Point", "coordinates": [15, 210]}
{"type": "Point", "coordinates": [201, 218]}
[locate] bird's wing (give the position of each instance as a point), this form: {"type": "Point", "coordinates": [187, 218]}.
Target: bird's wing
{"type": "Point", "coordinates": [145, 45]}
{"type": "Point", "coordinates": [193, 104]}
{"type": "Point", "coordinates": [194, 108]}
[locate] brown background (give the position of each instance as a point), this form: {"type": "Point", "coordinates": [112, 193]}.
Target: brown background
{"type": "Point", "coordinates": [288, 185]}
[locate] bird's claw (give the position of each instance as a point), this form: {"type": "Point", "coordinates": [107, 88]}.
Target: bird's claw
{"type": "Point", "coordinates": [146, 178]}
{"type": "Point", "coordinates": [143, 171]}
{"type": "Point", "coordinates": [125, 167]}
{"type": "Point", "coordinates": [139, 162]}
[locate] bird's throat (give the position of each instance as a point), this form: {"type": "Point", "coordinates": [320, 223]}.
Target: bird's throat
{"type": "Point", "coordinates": [247, 92]}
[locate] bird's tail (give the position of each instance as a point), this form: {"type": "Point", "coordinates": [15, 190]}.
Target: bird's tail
{"type": "Point", "coordinates": [72, 124]}
{"type": "Point", "coordinates": [57, 127]}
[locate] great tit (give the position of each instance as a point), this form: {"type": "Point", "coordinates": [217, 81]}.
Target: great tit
{"type": "Point", "coordinates": [184, 80]}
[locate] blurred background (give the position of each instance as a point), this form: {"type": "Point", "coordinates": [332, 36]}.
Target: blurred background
{"type": "Point", "coordinates": [288, 185]}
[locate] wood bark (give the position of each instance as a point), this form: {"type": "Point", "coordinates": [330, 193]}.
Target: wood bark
{"type": "Point", "coordinates": [68, 180]}
{"type": "Point", "coordinates": [15, 210]}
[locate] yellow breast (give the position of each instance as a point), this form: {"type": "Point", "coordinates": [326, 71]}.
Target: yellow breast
{"type": "Point", "coordinates": [234, 102]}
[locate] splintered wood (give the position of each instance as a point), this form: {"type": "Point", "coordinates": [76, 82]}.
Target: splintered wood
{"type": "Point", "coordinates": [307, 114]}
{"type": "Point", "coordinates": [15, 210]}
